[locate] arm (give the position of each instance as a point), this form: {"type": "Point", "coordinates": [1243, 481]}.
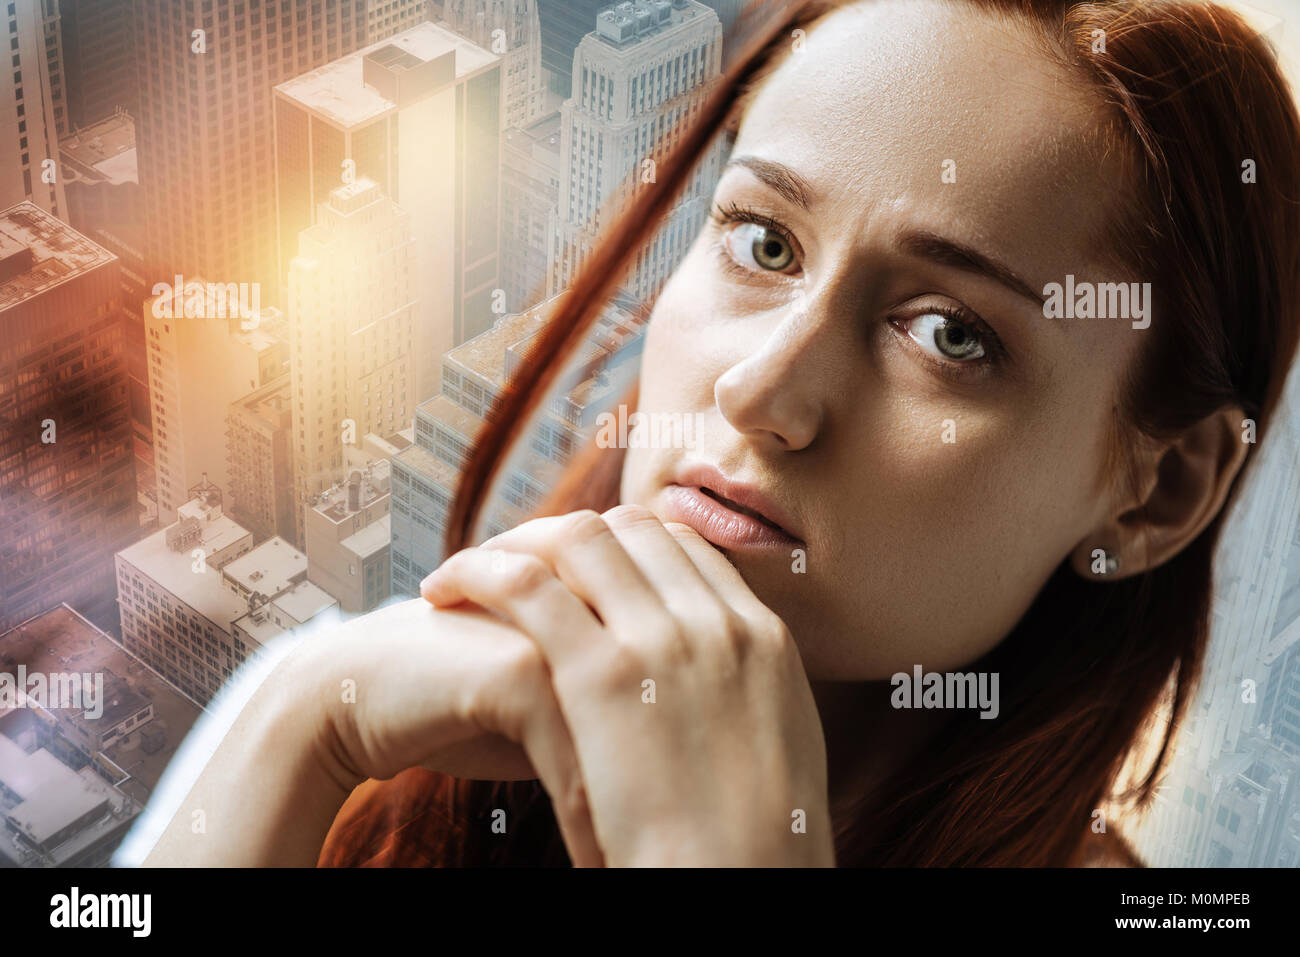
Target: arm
{"type": "Point", "coordinates": [461, 693]}
{"type": "Point", "coordinates": [270, 790]}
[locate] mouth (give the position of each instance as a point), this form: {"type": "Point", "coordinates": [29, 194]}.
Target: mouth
{"type": "Point", "coordinates": [741, 509]}
{"type": "Point", "coordinates": [726, 514]}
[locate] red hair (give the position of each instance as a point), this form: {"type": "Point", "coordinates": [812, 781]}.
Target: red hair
{"type": "Point", "coordinates": [1193, 92]}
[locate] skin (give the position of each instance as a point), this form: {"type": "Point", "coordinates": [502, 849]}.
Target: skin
{"type": "Point", "coordinates": [822, 385]}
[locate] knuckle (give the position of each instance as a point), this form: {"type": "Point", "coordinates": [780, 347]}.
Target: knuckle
{"type": "Point", "coordinates": [620, 668]}
{"type": "Point", "coordinates": [525, 573]}
{"type": "Point", "coordinates": [584, 526]}
{"type": "Point", "coordinates": [772, 634]}
{"type": "Point", "coordinates": [716, 623]}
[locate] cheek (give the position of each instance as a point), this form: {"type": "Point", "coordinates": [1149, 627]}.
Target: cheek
{"type": "Point", "coordinates": [939, 548]}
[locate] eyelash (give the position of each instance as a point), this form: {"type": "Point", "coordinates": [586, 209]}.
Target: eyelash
{"type": "Point", "coordinates": [995, 352]}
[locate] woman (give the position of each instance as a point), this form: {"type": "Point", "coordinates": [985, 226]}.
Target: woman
{"type": "Point", "coordinates": [996, 299]}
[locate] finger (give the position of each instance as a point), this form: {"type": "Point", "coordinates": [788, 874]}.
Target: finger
{"type": "Point", "coordinates": [591, 562]}
{"type": "Point", "coordinates": [550, 747]}
{"type": "Point", "coordinates": [521, 588]}
{"type": "Point", "coordinates": [670, 570]}
{"type": "Point", "coordinates": [722, 576]}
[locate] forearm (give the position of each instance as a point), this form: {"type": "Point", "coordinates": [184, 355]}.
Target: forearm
{"type": "Point", "coordinates": [272, 788]}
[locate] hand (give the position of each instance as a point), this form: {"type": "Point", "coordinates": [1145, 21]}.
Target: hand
{"type": "Point", "coordinates": [456, 692]}
{"type": "Point", "coordinates": [695, 727]}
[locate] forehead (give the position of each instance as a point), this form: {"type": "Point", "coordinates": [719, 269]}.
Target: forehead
{"type": "Point", "coordinates": [885, 96]}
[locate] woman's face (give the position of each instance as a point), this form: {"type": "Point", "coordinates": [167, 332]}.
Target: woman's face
{"type": "Point", "coordinates": [852, 334]}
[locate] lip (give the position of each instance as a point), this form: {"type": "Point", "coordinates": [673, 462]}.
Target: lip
{"type": "Point", "coordinates": [721, 523]}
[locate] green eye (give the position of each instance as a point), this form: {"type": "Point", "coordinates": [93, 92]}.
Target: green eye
{"type": "Point", "coordinates": [950, 338]}
{"type": "Point", "coordinates": [758, 248]}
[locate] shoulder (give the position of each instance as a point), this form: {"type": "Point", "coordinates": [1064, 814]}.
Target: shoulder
{"type": "Point", "coordinates": [1111, 849]}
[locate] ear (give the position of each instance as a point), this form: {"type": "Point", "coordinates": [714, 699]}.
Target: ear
{"type": "Point", "coordinates": [1182, 486]}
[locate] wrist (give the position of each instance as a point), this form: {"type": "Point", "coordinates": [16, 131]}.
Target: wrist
{"type": "Point", "coordinates": [310, 716]}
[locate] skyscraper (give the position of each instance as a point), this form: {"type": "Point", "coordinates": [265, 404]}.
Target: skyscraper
{"type": "Point", "coordinates": [99, 59]}
{"type": "Point", "coordinates": [67, 483]}
{"type": "Point", "coordinates": [563, 25]}
{"type": "Point", "coordinates": [98, 168]}
{"type": "Point", "coordinates": [530, 195]}
{"type": "Point", "coordinates": [31, 102]}
{"type": "Point", "coordinates": [351, 327]}
{"type": "Point", "coordinates": [418, 115]}
{"type": "Point", "coordinates": [206, 349]}
{"type": "Point", "coordinates": [636, 79]}
{"type": "Point", "coordinates": [205, 128]}
{"type": "Point", "coordinates": [426, 473]}
{"type": "Point", "coordinates": [510, 29]}
{"type": "Point", "coordinates": [259, 449]}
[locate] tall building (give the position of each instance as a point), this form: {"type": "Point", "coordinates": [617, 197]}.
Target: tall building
{"type": "Point", "coordinates": [425, 473]}
{"type": "Point", "coordinates": [351, 329]}
{"type": "Point", "coordinates": [67, 483]}
{"type": "Point", "coordinates": [417, 114]}
{"type": "Point", "coordinates": [31, 101]}
{"type": "Point", "coordinates": [636, 80]}
{"type": "Point", "coordinates": [347, 539]}
{"type": "Point", "coordinates": [259, 449]}
{"type": "Point", "coordinates": [387, 18]}
{"type": "Point", "coordinates": [530, 198]}
{"type": "Point", "coordinates": [563, 25]}
{"type": "Point", "coordinates": [511, 29]}
{"type": "Point", "coordinates": [209, 344]}
{"type": "Point", "coordinates": [98, 166]}
{"type": "Point", "coordinates": [205, 127]}
{"type": "Point", "coordinates": [197, 598]}
{"type": "Point", "coordinates": [99, 59]}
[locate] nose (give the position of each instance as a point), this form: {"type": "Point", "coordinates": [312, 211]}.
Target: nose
{"type": "Point", "coordinates": [775, 395]}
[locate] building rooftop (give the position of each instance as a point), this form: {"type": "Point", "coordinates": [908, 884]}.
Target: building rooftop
{"type": "Point", "coordinates": [541, 137]}
{"type": "Point", "coordinates": [623, 26]}
{"type": "Point", "coordinates": [333, 502]}
{"type": "Point", "coordinates": [304, 601]}
{"type": "Point", "coordinates": [337, 93]}
{"type": "Point", "coordinates": [270, 405]}
{"type": "Point", "coordinates": [430, 466]}
{"type": "Point", "coordinates": [270, 568]}
{"type": "Point", "coordinates": [259, 626]}
{"type": "Point", "coordinates": [174, 572]}
{"type": "Point", "coordinates": [458, 418]}
{"type": "Point", "coordinates": [485, 354]}
{"type": "Point", "coordinates": [101, 153]}
{"type": "Point", "coordinates": [120, 702]}
{"type": "Point", "coordinates": [61, 640]}
{"type": "Point", "coordinates": [54, 795]}
{"type": "Point", "coordinates": [38, 252]}
{"type": "Point", "coordinates": [370, 539]}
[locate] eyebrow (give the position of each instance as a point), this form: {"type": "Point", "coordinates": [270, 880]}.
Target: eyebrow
{"type": "Point", "coordinates": [948, 252]}
{"type": "Point", "coordinates": [780, 177]}
{"type": "Point", "coordinates": [920, 242]}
